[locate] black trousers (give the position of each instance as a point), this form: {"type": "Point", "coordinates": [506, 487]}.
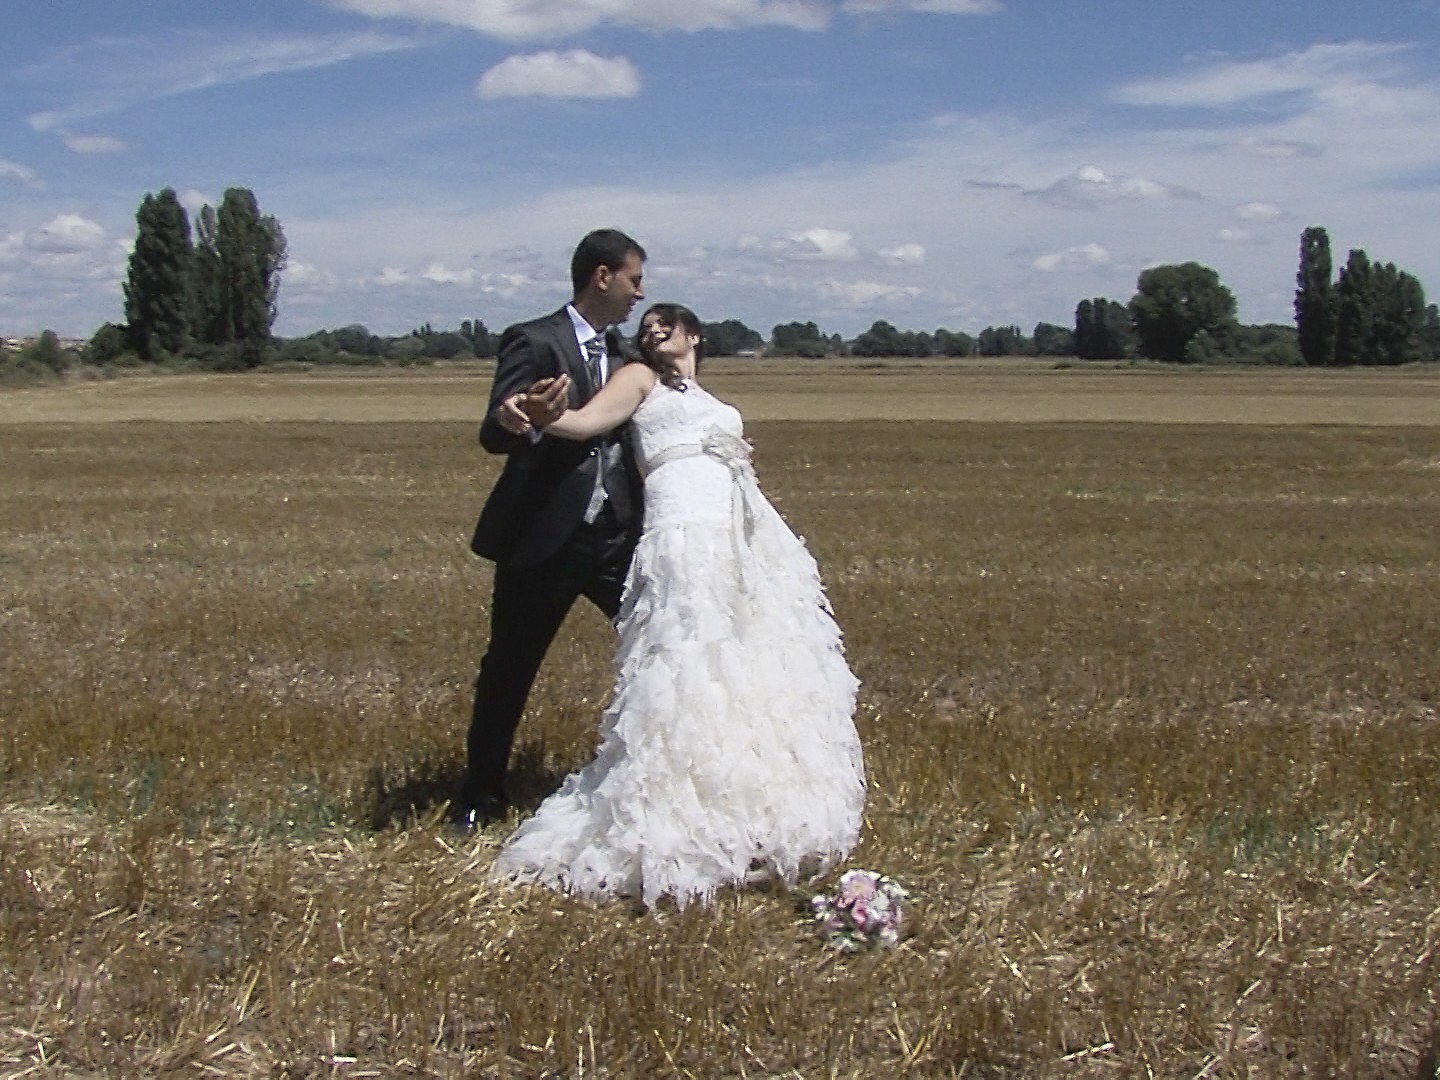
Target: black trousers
{"type": "Point", "coordinates": [529, 604]}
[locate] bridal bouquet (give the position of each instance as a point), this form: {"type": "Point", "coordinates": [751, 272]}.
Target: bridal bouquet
{"type": "Point", "coordinates": [865, 911]}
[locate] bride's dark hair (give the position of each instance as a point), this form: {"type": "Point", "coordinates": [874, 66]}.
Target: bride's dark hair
{"type": "Point", "coordinates": [671, 316]}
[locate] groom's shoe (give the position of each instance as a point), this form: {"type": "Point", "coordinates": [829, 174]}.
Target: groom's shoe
{"type": "Point", "coordinates": [472, 815]}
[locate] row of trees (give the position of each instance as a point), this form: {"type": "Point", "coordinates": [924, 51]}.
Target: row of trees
{"type": "Point", "coordinates": [1373, 313]}
{"type": "Point", "coordinates": [214, 298]}
{"type": "Point", "coordinates": [214, 294]}
{"type": "Point", "coordinates": [473, 340]}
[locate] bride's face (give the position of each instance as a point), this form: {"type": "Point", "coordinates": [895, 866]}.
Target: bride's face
{"type": "Point", "coordinates": [662, 339]}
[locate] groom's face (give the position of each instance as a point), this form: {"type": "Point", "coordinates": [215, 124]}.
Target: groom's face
{"type": "Point", "coordinates": [621, 289]}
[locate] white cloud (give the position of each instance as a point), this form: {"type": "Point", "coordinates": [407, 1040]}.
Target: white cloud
{"type": "Point", "coordinates": [303, 275]}
{"type": "Point", "coordinates": [67, 234]}
{"type": "Point", "coordinates": [574, 74]}
{"type": "Point", "coordinates": [440, 274]}
{"type": "Point", "coordinates": [13, 170]}
{"type": "Point", "coordinates": [94, 144]}
{"type": "Point", "coordinates": [866, 293]}
{"type": "Point", "coordinates": [1090, 186]}
{"type": "Point", "coordinates": [1276, 148]}
{"type": "Point", "coordinates": [505, 284]}
{"type": "Point", "coordinates": [1258, 211]}
{"type": "Point", "coordinates": [392, 276]}
{"type": "Point", "coordinates": [193, 201]}
{"type": "Point", "coordinates": [63, 274]}
{"type": "Point", "coordinates": [1320, 69]}
{"type": "Point", "coordinates": [542, 20]}
{"type": "Point", "coordinates": [1231, 235]}
{"type": "Point", "coordinates": [815, 244]}
{"type": "Point", "coordinates": [101, 78]}
{"type": "Point", "coordinates": [904, 254]}
{"type": "Point", "coordinates": [1075, 258]}
{"type": "Point", "coordinates": [927, 7]}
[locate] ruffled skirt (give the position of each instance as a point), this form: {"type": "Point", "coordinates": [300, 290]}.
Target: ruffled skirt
{"type": "Point", "coordinates": [728, 750]}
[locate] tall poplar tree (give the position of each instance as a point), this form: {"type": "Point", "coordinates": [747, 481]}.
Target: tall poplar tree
{"type": "Point", "coordinates": [251, 251]}
{"type": "Point", "coordinates": [1103, 330]}
{"type": "Point", "coordinates": [207, 308]}
{"type": "Point", "coordinates": [1398, 319]}
{"type": "Point", "coordinates": [156, 286]}
{"type": "Point", "coordinates": [1315, 299]}
{"type": "Point", "coordinates": [1355, 311]}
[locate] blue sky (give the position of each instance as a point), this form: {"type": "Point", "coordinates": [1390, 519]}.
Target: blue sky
{"type": "Point", "coordinates": [934, 163]}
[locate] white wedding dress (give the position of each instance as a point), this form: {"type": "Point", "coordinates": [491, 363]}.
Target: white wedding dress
{"type": "Point", "coordinates": [728, 750]}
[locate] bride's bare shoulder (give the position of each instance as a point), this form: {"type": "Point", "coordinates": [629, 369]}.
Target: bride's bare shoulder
{"type": "Point", "coordinates": [640, 376]}
{"type": "Point", "coordinates": [639, 371]}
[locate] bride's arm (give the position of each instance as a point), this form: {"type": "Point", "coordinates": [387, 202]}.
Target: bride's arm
{"type": "Point", "coordinates": [612, 406]}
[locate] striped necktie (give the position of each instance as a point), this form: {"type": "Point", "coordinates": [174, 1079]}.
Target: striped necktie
{"type": "Point", "coordinates": [595, 362]}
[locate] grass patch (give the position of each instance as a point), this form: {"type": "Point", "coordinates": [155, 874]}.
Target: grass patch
{"type": "Point", "coordinates": [1149, 714]}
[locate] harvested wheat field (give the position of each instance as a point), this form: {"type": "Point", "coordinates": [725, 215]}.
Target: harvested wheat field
{"type": "Point", "coordinates": [1149, 707]}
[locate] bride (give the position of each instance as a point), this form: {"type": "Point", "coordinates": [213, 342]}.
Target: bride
{"type": "Point", "coordinates": [728, 753]}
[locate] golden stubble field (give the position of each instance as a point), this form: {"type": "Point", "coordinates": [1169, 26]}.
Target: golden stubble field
{"type": "Point", "coordinates": [1149, 706]}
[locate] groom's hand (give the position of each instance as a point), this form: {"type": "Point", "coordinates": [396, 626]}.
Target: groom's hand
{"type": "Point", "coordinates": [545, 401]}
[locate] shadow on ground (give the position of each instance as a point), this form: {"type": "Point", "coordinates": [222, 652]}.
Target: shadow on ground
{"type": "Point", "coordinates": [429, 788]}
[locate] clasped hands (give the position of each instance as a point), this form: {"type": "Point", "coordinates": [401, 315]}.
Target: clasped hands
{"type": "Point", "coordinates": [530, 410]}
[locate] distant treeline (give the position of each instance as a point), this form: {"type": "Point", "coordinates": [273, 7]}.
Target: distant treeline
{"type": "Point", "coordinates": [211, 303]}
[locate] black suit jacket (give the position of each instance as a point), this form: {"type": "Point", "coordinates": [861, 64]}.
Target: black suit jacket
{"type": "Point", "coordinates": [545, 486]}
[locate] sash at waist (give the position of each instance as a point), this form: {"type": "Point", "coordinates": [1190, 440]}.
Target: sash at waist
{"type": "Point", "coordinates": [731, 451]}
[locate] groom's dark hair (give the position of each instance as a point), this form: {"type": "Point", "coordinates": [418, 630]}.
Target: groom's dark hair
{"type": "Point", "coordinates": [603, 247]}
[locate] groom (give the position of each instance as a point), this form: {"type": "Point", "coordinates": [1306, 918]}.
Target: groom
{"type": "Point", "coordinates": [562, 519]}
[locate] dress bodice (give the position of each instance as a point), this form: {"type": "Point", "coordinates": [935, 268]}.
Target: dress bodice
{"type": "Point", "coordinates": [667, 418]}
{"type": "Point", "coordinates": [689, 448]}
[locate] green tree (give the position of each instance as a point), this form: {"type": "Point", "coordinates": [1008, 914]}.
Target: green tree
{"type": "Point", "coordinates": [882, 339]}
{"type": "Point", "coordinates": [482, 342]}
{"type": "Point", "coordinates": [354, 339]}
{"type": "Point", "coordinates": [730, 337]}
{"type": "Point", "coordinates": [798, 339]}
{"type": "Point", "coordinates": [1174, 303]}
{"type": "Point", "coordinates": [156, 286]}
{"type": "Point", "coordinates": [252, 254]}
{"type": "Point", "coordinates": [1399, 322]}
{"type": "Point", "coordinates": [1355, 311]}
{"type": "Point", "coordinates": [1004, 341]}
{"type": "Point", "coordinates": [953, 343]}
{"type": "Point", "coordinates": [1275, 344]}
{"type": "Point", "coordinates": [1052, 340]}
{"type": "Point", "coordinates": [108, 344]}
{"type": "Point", "coordinates": [47, 352]}
{"type": "Point", "coordinates": [445, 344]}
{"type": "Point", "coordinates": [1103, 330]}
{"type": "Point", "coordinates": [405, 350]}
{"type": "Point", "coordinates": [1431, 335]}
{"type": "Point", "coordinates": [1315, 299]}
{"type": "Point", "coordinates": [207, 287]}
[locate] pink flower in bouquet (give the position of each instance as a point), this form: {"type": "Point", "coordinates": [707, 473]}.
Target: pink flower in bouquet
{"type": "Point", "coordinates": [860, 914]}
{"type": "Point", "coordinates": [866, 909]}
